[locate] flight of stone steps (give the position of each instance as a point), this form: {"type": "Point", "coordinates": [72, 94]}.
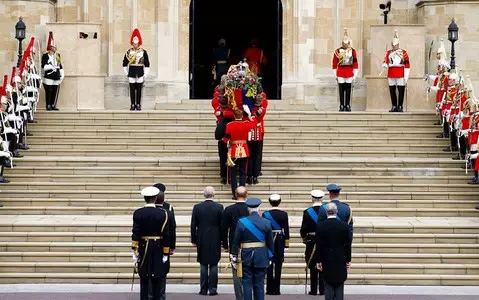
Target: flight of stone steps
{"type": "Point", "coordinates": [67, 211]}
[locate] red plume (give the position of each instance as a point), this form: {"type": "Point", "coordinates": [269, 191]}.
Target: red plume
{"type": "Point", "coordinates": [30, 45]}
{"type": "Point", "coordinates": [136, 33]}
{"type": "Point", "coordinates": [51, 42]}
{"type": "Point", "coordinates": [22, 67]}
{"type": "Point", "coordinates": [4, 86]}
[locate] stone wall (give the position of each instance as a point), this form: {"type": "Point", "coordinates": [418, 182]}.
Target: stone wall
{"type": "Point", "coordinates": [312, 30]}
{"type": "Point", "coordinates": [35, 15]}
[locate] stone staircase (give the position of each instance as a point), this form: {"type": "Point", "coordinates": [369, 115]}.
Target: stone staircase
{"type": "Point", "coordinates": [67, 211]}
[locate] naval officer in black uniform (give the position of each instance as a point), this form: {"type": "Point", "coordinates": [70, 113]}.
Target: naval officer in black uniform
{"type": "Point", "coordinates": [344, 214]}
{"type": "Point", "coordinates": [280, 225]}
{"type": "Point", "coordinates": [254, 237]}
{"type": "Point", "coordinates": [161, 203]}
{"type": "Point", "coordinates": [308, 232]}
{"type": "Point", "coordinates": [150, 245]}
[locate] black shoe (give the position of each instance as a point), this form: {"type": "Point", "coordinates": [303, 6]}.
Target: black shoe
{"type": "Point", "coordinates": [312, 294]}
{"type": "Point", "coordinates": [321, 293]}
{"type": "Point", "coordinates": [49, 107]}
{"type": "Point", "coordinates": [213, 293]}
{"type": "Point", "coordinates": [260, 174]}
{"type": "Point", "coordinates": [223, 180]}
{"type": "Point", "coordinates": [447, 149]}
{"type": "Point", "coordinates": [203, 293]}
{"type": "Point", "coordinates": [32, 121]}
{"type": "Point", "coordinates": [475, 180]}
{"type": "Point", "coordinates": [17, 154]}
{"type": "Point", "coordinates": [341, 108]}
{"type": "Point", "coordinates": [477, 207]}
{"type": "Point", "coordinates": [132, 107]}
{"type": "Point", "coordinates": [249, 180]}
{"type": "Point", "coordinates": [437, 123]}
{"type": "Point", "coordinates": [255, 180]}
{"type": "Point", "coordinates": [393, 109]}
{"type": "Point", "coordinates": [23, 146]}
{"type": "Point", "coordinates": [454, 149]}
{"type": "Point", "coordinates": [400, 109]}
{"type": "Point", "coordinates": [348, 108]}
{"type": "Point", "coordinates": [55, 108]}
{"type": "Point", "coordinates": [4, 180]}
{"type": "Point", "coordinates": [138, 107]}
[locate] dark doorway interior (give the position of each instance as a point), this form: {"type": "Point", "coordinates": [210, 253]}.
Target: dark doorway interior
{"type": "Point", "coordinates": [238, 22]}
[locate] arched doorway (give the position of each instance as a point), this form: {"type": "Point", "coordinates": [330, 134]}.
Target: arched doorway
{"type": "Point", "coordinates": [238, 22]}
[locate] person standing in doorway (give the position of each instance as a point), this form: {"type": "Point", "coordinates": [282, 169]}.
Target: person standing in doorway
{"type": "Point", "coordinates": [206, 237]}
{"type": "Point", "coordinates": [221, 61]}
{"type": "Point", "coordinates": [255, 58]}
{"type": "Point", "coordinates": [53, 73]}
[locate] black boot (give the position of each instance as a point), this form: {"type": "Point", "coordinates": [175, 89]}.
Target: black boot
{"type": "Point", "coordinates": [402, 91]}
{"type": "Point", "coordinates": [341, 96]}
{"type": "Point", "coordinates": [132, 96]}
{"type": "Point", "coordinates": [394, 99]}
{"type": "Point", "coordinates": [139, 87]}
{"type": "Point", "coordinates": [347, 89]}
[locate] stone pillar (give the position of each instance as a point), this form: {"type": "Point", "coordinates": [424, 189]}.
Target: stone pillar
{"type": "Point", "coordinates": [412, 39]}
{"type": "Point", "coordinates": [83, 86]}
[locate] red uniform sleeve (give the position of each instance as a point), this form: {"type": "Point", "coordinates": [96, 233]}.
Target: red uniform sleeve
{"type": "Point", "coordinates": [355, 59]}
{"type": "Point", "coordinates": [264, 98]}
{"type": "Point", "coordinates": [227, 136]}
{"type": "Point", "coordinates": [228, 114]}
{"type": "Point", "coordinates": [335, 60]}
{"type": "Point", "coordinates": [406, 60]}
{"type": "Point", "coordinates": [386, 58]}
{"type": "Point", "coordinates": [436, 81]}
{"type": "Point", "coordinates": [215, 103]}
{"type": "Point", "coordinates": [264, 60]}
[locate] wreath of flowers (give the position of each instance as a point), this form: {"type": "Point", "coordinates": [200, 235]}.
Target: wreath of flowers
{"type": "Point", "coordinates": [240, 77]}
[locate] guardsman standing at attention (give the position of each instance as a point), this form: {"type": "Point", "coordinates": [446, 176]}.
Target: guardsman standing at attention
{"type": "Point", "coordinates": [308, 232]}
{"type": "Point", "coordinates": [345, 67]}
{"type": "Point", "coordinates": [252, 250]}
{"type": "Point", "coordinates": [280, 225]}
{"type": "Point", "coordinates": [150, 245]}
{"type": "Point", "coordinates": [345, 213]}
{"type": "Point", "coordinates": [397, 63]}
{"type": "Point", "coordinates": [53, 73]}
{"type": "Point", "coordinates": [136, 66]}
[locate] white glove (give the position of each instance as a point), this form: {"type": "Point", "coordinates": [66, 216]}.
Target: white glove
{"type": "Point", "coordinates": [473, 156]}
{"type": "Point", "coordinates": [385, 66]}
{"type": "Point", "coordinates": [125, 70]}
{"type": "Point", "coordinates": [434, 88]}
{"type": "Point", "coordinates": [406, 74]}
{"type": "Point", "coordinates": [286, 250]}
{"type": "Point", "coordinates": [335, 74]}
{"type": "Point", "coordinates": [5, 154]}
{"type": "Point", "coordinates": [134, 257]}
{"type": "Point", "coordinates": [165, 258]}
{"type": "Point", "coordinates": [147, 71]}
{"type": "Point", "coordinates": [246, 109]}
{"type": "Point", "coordinates": [355, 74]}
{"type": "Point", "coordinates": [62, 75]}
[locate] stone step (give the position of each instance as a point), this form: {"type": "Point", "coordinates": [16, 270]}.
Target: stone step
{"type": "Point", "coordinates": [188, 248]}
{"type": "Point", "coordinates": [282, 141]}
{"type": "Point", "coordinates": [212, 145]}
{"type": "Point", "coordinates": [212, 171]}
{"type": "Point", "coordinates": [183, 267]}
{"type": "Point", "coordinates": [296, 257]}
{"type": "Point", "coordinates": [298, 186]}
{"type": "Point", "coordinates": [409, 210]}
{"type": "Point", "coordinates": [265, 179]}
{"type": "Point", "coordinates": [123, 223]}
{"type": "Point", "coordinates": [225, 278]}
{"type": "Point", "coordinates": [201, 113]}
{"type": "Point", "coordinates": [153, 152]}
{"type": "Point", "coordinates": [209, 134]}
{"type": "Point", "coordinates": [469, 194]}
{"type": "Point", "coordinates": [271, 120]}
{"type": "Point", "coordinates": [183, 235]}
{"type": "Point", "coordinates": [212, 161]}
{"type": "Point", "coordinates": [294, 207]}
{"type": "Point", "coordinates": [210, 125]}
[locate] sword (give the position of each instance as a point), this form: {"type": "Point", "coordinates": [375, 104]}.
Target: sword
{"type": "Point", "coordinates": [56, 96]}
{"type": "Point", "coordinates": [135, 268]}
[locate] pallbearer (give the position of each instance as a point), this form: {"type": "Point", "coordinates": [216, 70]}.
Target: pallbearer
{"type": "Point", "coordinates": [150, 245]}
{"type": "Point", "coordinates": [345, 67]}
{"type": "Point", "coordinates": [308, 232]}
{"type": "Point", "coordinates": [396, 62]}
{"type": "Point", "coordinates": [280, 225]}
{"type": "Point", "coordinates": [136, 66]}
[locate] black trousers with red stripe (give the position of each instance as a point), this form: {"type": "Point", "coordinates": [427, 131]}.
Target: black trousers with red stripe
{"type": "Point", "coordinates": [255, 155]}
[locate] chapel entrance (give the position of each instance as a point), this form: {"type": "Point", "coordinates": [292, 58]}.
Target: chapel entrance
{"type": "Point", "coordinates": [238, 22]}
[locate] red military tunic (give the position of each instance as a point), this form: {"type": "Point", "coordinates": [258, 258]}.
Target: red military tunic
{"type": "Point", "coordinates": [397, 61]}
{"type": "Point", "coordinates": [346, 67]}
{"type": "Point", "coordinates": [237, 135]}
{"type": "Point", "coordinates": [255, 58]}
{"type": "Point", "coordinates": [450, 95]}
{"type": "Point", "coordinates": [442, 82]}
{"type": "Point", "coordinates": [257, 133]}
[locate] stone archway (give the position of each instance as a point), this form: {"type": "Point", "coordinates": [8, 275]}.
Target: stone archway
{"type": "Point", "coordinates": [289, 40]}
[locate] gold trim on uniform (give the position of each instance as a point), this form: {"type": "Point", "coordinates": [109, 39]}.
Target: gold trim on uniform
{"type": "Point", "coordinates": [134, 244]}
{"type": "Point", "coordinates": [252, 245]}
{"type": "Point", "coordinates": [166, 250]}
{"type": "Point", "coordinates": [286, 243]}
